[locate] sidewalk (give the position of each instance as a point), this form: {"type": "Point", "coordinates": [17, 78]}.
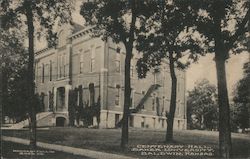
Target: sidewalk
{"type": "Point", "coordinates": [67, 149]}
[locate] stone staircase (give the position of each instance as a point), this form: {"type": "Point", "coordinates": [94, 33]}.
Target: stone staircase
{"type": "Point", "coordinates": [25, 123]}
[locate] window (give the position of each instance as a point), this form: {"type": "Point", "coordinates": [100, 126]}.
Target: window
{"type": "Point", "coordinates": [163, 105]}
{"type": "Point", "coordinates": [131, 71]}
{"type": "Point", "coordinates": [143, 122]}
{"type": "Point", "coordinates": [91, 94]}
{"type": "Point", "coordinates": [92, 64]}
{"type": "Point", "coordinates": [42, 73]}
{"type": "Point", "coordinates": [118, 63]}
{"type": "Point", "coordinates": [179, 124]}
{"type": "Point", "coordinates": [178, 109]}
{"type": "Point", "coordinates": [153, 122]}
{"type": "Point", "coordinates": [178, 86]}
{"type": "Point", "coordinates": [50, 70]}
{"type": "Point", "coordinates": [118, 60]}
{"type": "Point", "coordinates": [132, 98]}
{"type": "Point", "coordinates": [153, 102]}
{"type": "Point", "coordinates": [92, 61]}
{"type": "Point", "coordinates": [36, 71]}
{"type": "Point", "coordinates": [64, 65]}
{"type": "Point", "coordinates": [62, 60]}
{"type": "Point", "coordinates": [38, 74]}
{"type": "Point", "coordinates": [117, 96]}
{"type": "Point", "coordinates": [60, 66]}
{"type": "Point", "coordinates": [117, 118]}
{"type": "Point", "coordinates": [131, 121]}
{"type": "Point", "coordinates": [81, 63]}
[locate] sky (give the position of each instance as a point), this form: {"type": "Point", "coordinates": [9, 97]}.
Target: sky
{"type": "Point", "coordinates": [205, 68]}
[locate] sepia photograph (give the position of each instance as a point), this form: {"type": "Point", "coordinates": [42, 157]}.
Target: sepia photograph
{"type": "Point", "coordinates": [125, 79]}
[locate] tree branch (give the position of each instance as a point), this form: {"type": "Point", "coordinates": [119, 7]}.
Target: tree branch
{"type": "Point", "coordinates": [241, 30]}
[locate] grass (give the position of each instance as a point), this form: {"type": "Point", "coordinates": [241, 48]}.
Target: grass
{"type": "Point", "coordinates": [108, 140]}
{"type": "Point", "coordinates": [18, 151]}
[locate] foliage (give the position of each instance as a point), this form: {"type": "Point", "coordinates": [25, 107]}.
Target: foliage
{"type": "Point", "coordinates": [82, 112]}
{"type": "Point", "coordinates": [225, 20]}
{"type": "Point", "coordinates": [14, 71]}
{"type": "Point", "coordinates": [241, 107]}
{"type": "Point", "coordinates": [202, 106]}
{"type": "Point", "coordinates": [72, 106]}
{"type": "Point", "coordinates": [46, 13]}
{"type": "Point", "coordinates": [242, 92]}
{"type": "Point", "coordinates": [169, 31]}
{"type": "Point", "coordinates": [89, 112]}
{"type": "Point", "coordinates": [43, 13]}
{"type": "Point", "coordinates": [239, 117]}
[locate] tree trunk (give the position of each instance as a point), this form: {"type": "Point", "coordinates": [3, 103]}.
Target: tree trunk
{"type": "Point", "coordinates": [30, 78]}
{"type": "Point", "coordinates": [221, 54]}
{"type": "Point", "coordinates": [224, 112]}
{"type": "Point", "coordinates": [127, 90]}
{"type": "Point", "coordinates": [4, 89]}
{"type": "Point", "coordinates": [1, 102]}
{"type": "Point", "coordinates": [127, 94]}
{"type": "Point", "coordinates": [170, 118]}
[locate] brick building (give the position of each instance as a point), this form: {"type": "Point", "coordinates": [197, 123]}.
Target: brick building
{"type": "Point", "coordinates": [97, 68]}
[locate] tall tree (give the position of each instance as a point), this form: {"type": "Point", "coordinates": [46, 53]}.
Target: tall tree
{"type": "Point", "coordinates": [13, 69]}
{"type": "Point", "coordinates": [224, 26]}
{"type": "Point", "coordinates": [44, 13]}
{"type": "Point", "coordinates": [202, 102]}
{"type": "Point", "coordinates": [170, 38]}
{"type": "Point", "coordinates": [118, 20]}
{"type": "Point", "coordinates": [242, 99]}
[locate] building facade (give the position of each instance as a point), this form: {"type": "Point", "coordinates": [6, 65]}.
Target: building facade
{"type": "Point", "coordinates": [96, 67]}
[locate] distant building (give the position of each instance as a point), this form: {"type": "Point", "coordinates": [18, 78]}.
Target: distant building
{"type": "Point", "coordinates": [96, 67]}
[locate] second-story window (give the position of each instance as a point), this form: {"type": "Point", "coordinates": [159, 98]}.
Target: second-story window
{"type": "Point", "coordinates": [92, 61]}
{"type": "Point", "coordinates": [60, 66]}
{"type": "Point", "coordinates": [178, 86]}
{"type": "Point", "coordinates": [178, 106]}
{"type": "Point", "coordinates": [43, 73]}
{"type": "Point", "coordinates": [117, 96]}
{"type": "Point", "coordinates": [132, 98]}
{"type": "Point", "coordinates": [64, 65]}
{"type": "Point", "coordinates": [50, 70]}
{"type": "Point", "coordinates": [118, 63]}
{"type": "Point", "coordinates": [118, 60]}
{"type": "Point", "coordinates": [153, 102]}
{"type": "Point", "coordinates": [81, 63]}
{"type": "Point", "coordinates": [131, 71]}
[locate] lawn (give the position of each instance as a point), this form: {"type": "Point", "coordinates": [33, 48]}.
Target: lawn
{"type": "Point", "coordinates": [108, 140]}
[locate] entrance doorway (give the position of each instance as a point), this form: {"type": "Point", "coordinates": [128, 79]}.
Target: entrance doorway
{"type": "Point", "coordinates": [117, 117]}
{"type": "Point", "coordinates": [60, 121]}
